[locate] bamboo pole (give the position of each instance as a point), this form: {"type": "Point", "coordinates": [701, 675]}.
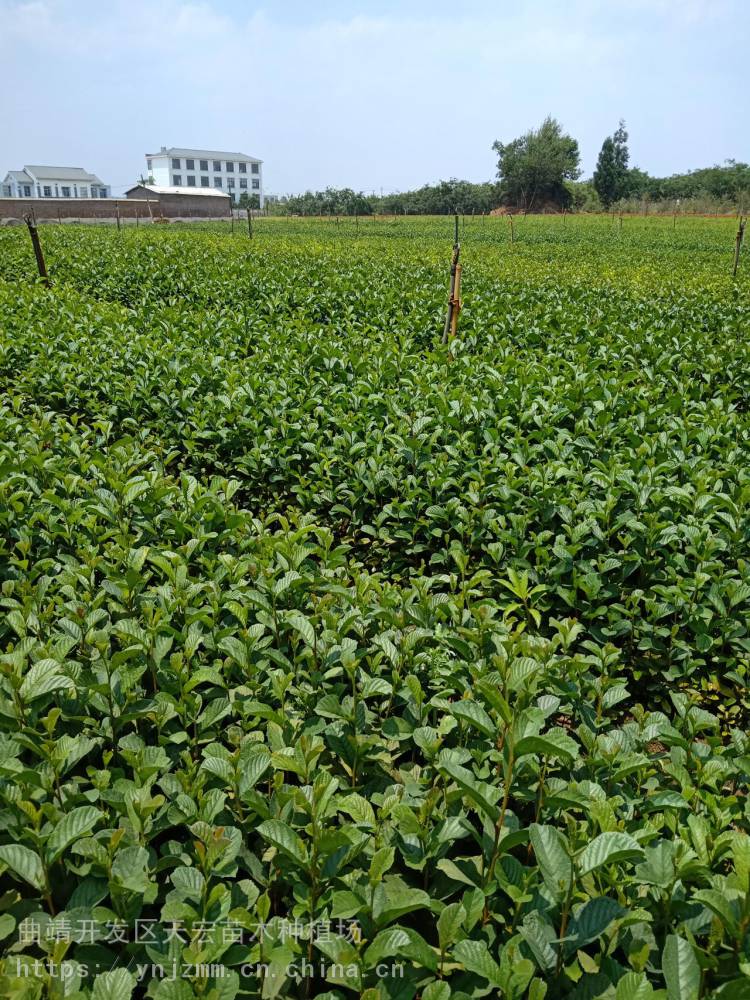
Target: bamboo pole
{"type": "Point", "coordinates": [512, 234]}
{"type": "Point", "coordinates": [117, 214]}
{"type": "Point", "coordinates": [41, 266]}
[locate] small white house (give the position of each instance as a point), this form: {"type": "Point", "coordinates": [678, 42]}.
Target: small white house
{"type": "Point", "coordinates": [233, 173]}
{"type": "Point", "coordinates": [53, 182]}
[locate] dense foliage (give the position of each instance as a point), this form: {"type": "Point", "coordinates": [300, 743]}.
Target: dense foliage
{"type": "Point", "coordinates": [533, 168]}
{"type": "Point", "coordinates": [327, 644]}
{"type": "Point", "coordinates": [612, 178]}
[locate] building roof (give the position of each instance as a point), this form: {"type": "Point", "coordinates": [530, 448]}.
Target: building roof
{"type": "Point", "coordinates": [159, 189]}
{"type": "Point", "coordinates": [19, 176]}
{"type": "Point", "coordinates": [43, 173]}
{"type": "Point", "coordinates": [206, 154]}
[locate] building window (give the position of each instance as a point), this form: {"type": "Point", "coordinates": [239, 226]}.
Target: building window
{"type": "Point", "coordinates": [242, 168]}
{"type": "Point", "coordinates": [230, 182]}
{"type": "Point", "coordinates": [191, 181]}
{"type": "Point", "coordinates": [177, 179]}
{"type": "Point", "coordinates": [189, 164]}
{"type": "Point", "coordinates": [204, 164]}
{"type": "Point", "coordinates": [47, 191]}
{"type": "Point", "coordinates": [217, 166]}
{"type": "Point", "coordinates": [243, 182]}
{"type": "Point", "coordinates": [7, 191]}
{"type": "Point", "coordinates": [256, 185]}
{"type": "Point", "coordinates": [204, 182]}
{"type": "Point", "coordinates": [217, 182]}
{"type": "Point", "coordinates": [27, 190]}
{"type": "Point", "coordinates": [254, 168]}
{"type": "Point", "coordinates": [84, 192]}
{"type": "Point", "coordinates": [230, 167]}
{"type": "Point", "coordinates": [148, 164]}
{"type": "Point", "coordinates": [65, 192]}
{"type": "Point", "coordinates": [176, 163]}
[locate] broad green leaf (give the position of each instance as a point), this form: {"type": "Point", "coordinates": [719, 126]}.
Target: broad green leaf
{"type": "Point", "coordinates": [115, 985]}
{"type": "Point", "coordinates": [436, 991]}
{"type": "Point", "coordinates": [682, 974]}
{"type": "Point", "coordinates": [482, 795]}
{"type": "Point", "coordinates": [553, 857]}
{"type": "Point", "coordinates": [44, 677]}
{"type": "Point", "coordinates": [284, 838]}
{"type": "Point", "coordinates": [449, 925]}
{"type": "Point", "coordinates": [607, 849]}
{"type": "Point", "coordinates": [475, 715]}
{"type": "Point", "coordinates": [556, 744]}
{"type": "Point", "coordinates": [475, 957]}
{"type": "Point", "coordinates": [72, 827]}
{"type": "Point", "coordinates": [382, 862]}
{"type": "Point", "coordinates": [634, 986]}
{"type": "Point", "coordinates": [23, 862]}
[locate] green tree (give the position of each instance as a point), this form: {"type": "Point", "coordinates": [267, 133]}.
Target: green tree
{"type": "Point", "coordinates": [611, 177]}
{"type": "Point", "coordinates": [533, 168]}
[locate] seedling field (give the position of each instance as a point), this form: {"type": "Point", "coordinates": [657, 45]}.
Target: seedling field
{"type": "Point", "coordinates": [337, 661]}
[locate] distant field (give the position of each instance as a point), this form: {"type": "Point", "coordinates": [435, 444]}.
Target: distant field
{"type": "Point", "coordinates": [440, 652]}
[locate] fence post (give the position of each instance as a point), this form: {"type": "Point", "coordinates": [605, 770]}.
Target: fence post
{"type": "Point", "coordinates": [249, 222]}
{"type": "Point", "coordinates": [42, 267]}
{"type": "Point", "coordinates": [117, 213]}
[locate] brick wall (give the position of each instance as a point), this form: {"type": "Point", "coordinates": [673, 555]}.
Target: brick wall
{"type": "Point", "coordinates": [169, 206]}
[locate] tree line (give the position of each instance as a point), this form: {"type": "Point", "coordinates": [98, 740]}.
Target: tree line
{"type": "Point", "coordinates": [540, 171]}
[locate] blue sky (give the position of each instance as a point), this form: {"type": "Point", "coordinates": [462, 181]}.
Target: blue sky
{"type": "Point", "coordinates": [369, 95]}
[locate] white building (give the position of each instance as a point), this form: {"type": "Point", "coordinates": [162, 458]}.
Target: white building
{"type": "Point", "coordinates": [53, 182]}
{"type": "Point", "coordinates": [234, 173]}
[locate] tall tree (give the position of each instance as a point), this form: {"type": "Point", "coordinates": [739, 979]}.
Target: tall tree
{"type": "Point", "coordinates": [533, 168]}
{"type": "Point", "coordinates": [612, 177]}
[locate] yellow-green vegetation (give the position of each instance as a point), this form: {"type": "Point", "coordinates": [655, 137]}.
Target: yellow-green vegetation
{"type": "Point", "coordinates": [436, 655]}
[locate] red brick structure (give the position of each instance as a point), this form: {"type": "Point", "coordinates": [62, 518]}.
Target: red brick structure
{"type": "Point", "coordinates": [141, 203]}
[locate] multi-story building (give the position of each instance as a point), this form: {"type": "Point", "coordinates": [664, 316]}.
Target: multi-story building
{"type": "Point", "coordinates": [53, 182]}
{"type": "Point", "coordinates": [234, 173]}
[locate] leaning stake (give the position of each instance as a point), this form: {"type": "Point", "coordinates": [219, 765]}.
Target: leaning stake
{"type": "Point", "coordinates": [738, 244]}
{"type": "Point", "coordinates": [37, 250]}
{"type": "Point", "coordinates": [454, 305]}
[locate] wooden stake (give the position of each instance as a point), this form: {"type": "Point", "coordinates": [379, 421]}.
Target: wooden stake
{"type": "Point", "coordinates": [42, 267]}
{"type": "Point", "coordinates": [738, 245]}
{"type": "Point", "coordinates": [136, 216]}
{"type": "Point", "coordinates": [250, 223]}
{"type": "Point", "coordinates": [451, 316]}
{"type": "Point", "coordinates": [117, 213]}
{"type": "Point", "coordinates": [512, 237]}
{"type": "Point", "coordinates": [456, 301]}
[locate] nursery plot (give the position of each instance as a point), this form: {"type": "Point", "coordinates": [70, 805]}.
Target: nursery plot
{"type": "Point", "coordinates": [352, 664]}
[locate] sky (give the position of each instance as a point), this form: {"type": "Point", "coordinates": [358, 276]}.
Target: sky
{"type": "Point", "coordinates": [370, 95]}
